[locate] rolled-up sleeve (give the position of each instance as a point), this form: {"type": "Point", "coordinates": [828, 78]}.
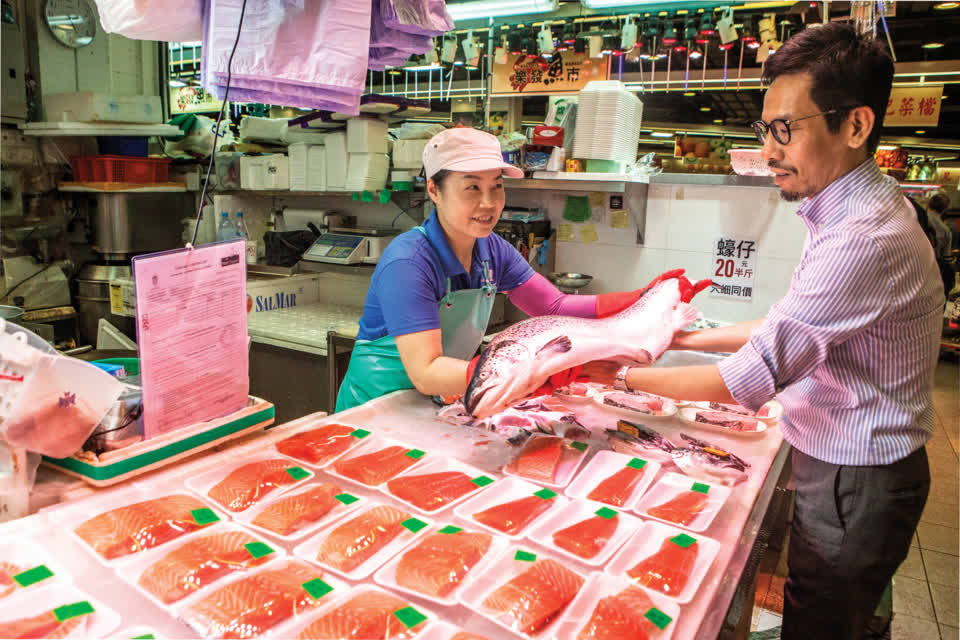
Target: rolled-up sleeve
{"type": "Point", "coordinates": [833, 296]}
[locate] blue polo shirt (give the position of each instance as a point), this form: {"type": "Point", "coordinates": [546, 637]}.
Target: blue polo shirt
{"type": "Point", "coordinates": [411, 279]}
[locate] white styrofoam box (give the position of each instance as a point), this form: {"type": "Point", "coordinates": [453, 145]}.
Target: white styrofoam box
{"type": "Point", "coordinates": [253, 128]}
{"type": "Point", "coordinates": [249, 178]}
{"type": "Point", "coordinates": [367, 171]}
{"type": "Point", "coordinates": [408, 154]}
{"type": "Point", "coordinates": [273, 294]}
{"type": "Point", "coordinates": [366, 135]}
{"type": "Point", "coordinates": [310, 136]}
{"type": "Point", "coordinates": [265, 172]}
{"type": "Point", "coordinates": [336, 160]}
{"type": "Point", "coordinates": [317, 168]}
{"type": "Point", "coordinates": [298, 154]}
{"type": "Point", "coordinates": [89, 106]}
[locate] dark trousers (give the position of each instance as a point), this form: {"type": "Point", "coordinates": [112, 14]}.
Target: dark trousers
{"type": "Point", "coordinates": [852, 528]}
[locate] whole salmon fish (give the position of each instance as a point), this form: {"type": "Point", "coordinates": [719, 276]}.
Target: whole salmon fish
{"type": "Point", "coordinates": [522, 357]}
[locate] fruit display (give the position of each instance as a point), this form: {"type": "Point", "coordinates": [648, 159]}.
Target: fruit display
{"type": "Point", "coordinates": [892, 158]}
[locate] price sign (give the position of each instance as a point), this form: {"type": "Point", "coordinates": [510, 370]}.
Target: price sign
{"type": "Point", "coordinates": [733, 267]}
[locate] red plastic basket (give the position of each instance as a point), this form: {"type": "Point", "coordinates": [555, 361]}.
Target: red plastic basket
{"type": "Point", "coordinates": [119, 169]}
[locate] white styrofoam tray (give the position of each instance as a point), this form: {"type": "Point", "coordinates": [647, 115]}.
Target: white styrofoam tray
{"type": "Point", "coordinates": [578, 511]}
{"type": "Point", "coordinates": [44, 570]}
{"type": "Point", "coordinates": [372, 445]}
{"type": "Point", "coordinates": [572, 456]}
{"type": "Point", "coordinates": [671, 485]}
{"type": "Point", "coordinates": [346, 504]}
{"type": "Point", "coordinates": [775, 411]}
{"type": "Point", "coordinates": [669, 406]}
{"type": "Point", "coordinates": [439, 465]}
{"type": "Point", "coordinates": [603, 465]}
{"type": "Point", "coordinates": [362, 434]}
{"type": "Point", "coordinates": [689, 416]}
{"type": "Point", "coordinates": [648, 540]}
{"type": "Point", "coordinates": [387, 575]}
{"type": "Point", "coordinates": [507, 490]}
{"type": "Point", "coordinates": [430, 618]}
{"type": "Point", "coordinates": [98, 623]}
{"type": "Point", "coordinates": [203, 483]}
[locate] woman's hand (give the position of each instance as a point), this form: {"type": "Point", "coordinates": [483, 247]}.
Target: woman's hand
{"type": "Point", "coordinates": [600, 371]}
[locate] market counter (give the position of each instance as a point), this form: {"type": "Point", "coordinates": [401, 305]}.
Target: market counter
{"type": "Point", "coordinates": [409, 417]}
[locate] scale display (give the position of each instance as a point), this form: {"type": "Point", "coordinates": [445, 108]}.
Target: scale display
{"type": "Point", "coordinates": [337, 248]}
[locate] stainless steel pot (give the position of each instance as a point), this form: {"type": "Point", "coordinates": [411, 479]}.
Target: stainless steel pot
{"type": "Point", "coordinates": [93, 300]}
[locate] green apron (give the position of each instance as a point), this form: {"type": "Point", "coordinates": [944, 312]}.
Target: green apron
{"type": "Point", "coordinates": [375, 368]}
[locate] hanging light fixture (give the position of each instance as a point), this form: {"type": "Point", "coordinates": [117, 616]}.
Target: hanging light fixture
{"type": "Point", "coordinates": [669, 35]}
{"type": "Point", "coordinates": [689, 29]}
{"type": "Point", "coordinates": [706, 25]}
{"type": "Point", "coordinates": [514, 43]}
{"type": "Point", "coordinates": [695, 53]}
{"type": "Point", "coordinates": [580, 46]}
{"type": "Point", "coordinates": [609, 45]}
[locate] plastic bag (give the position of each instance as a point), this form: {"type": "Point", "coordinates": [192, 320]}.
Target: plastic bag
{"type": "Point", "coordinates": [421, 17]}
{"type": "Point", "coordinates": [199, 136]}
{"type": "Point", "coordinates": [284, 248]}
{"type": "Point", "coordinates": [644, 166]}
{"type": "Point", "coordinates": [62, 401]}
{"type": "Point", "coordinates": [166, 20]}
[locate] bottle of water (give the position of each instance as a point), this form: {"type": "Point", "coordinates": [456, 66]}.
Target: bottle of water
{"type": "Point", "coordinates": [226, 230]}
{"type": "Point", "coordinates": [241, 227]}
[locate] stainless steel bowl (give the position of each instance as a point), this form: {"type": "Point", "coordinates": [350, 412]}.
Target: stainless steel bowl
{"type": "Point", "coordinates": [570, 280]}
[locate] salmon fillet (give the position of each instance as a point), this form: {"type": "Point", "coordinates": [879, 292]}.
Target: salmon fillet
{"type": "Point", "coordinates": [682, 509]}
{"type": "Point", "coordinates": [246, 485]}
{"type": "Point", "coordinates": [292, 513]}
{"type": "Point", "coordinates": [356, 540]}
{"type": "Point", "coordinates": [44, 625]}
{"type": "Point", "coordinates": [437, 565]}
{"type": "Point", "coordinates": [7, 585]}
{"type": "Point", "coordinates": [318, 446]}
{"type": "Point", "coordinates": [254, 604]}
{"type": "Point", "coordinates": [511, 517]}
{"type": "Point", "coordinates": [198, 563]}
{"type": "Point", "coordinates": [366, 616]}
{"type": "Point", "coordinates": [588, 537]}
{"type": "Point", "coordinates": [139, 526]}
{"type": "Point", "coordinates": [466, 635]}
{"type": "Point", "coordinates": [375, 468]}
{"type": "Point", "coordinates": [539, 459]}
{"type": "Point", "coordinates": [536, 596]}
{"type": "Point", "coordinates": [668, 569]}
{"type": "Point", "coordinates": [616, 489]}
{"type": "Point", "coordinates": [431, 491]}
{"type": "Point", "coordinates": [620, 616]}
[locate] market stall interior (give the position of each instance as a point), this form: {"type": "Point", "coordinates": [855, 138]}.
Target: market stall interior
{"type": "Point", "coordinates": [197, 198]}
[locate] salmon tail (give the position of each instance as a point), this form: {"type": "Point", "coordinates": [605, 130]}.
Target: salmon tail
{"type": "Point", "coordinates": [690, 289]}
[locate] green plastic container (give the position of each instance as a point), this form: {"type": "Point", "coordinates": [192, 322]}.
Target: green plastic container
{"type": "Point", "coordinates": [603, 166]}
{"type": "Point", "coordinates": [130, 365]}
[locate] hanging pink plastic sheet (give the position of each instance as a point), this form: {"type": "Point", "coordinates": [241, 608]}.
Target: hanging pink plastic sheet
{"type": "Point", "coordinates": [419, 17]}
{"type": "Point", "coordinates": [382, 35]}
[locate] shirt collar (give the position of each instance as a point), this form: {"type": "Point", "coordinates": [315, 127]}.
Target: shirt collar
{"type": "Point", "coordinates": [828, 206]}
{"type": "Point", "coordinates": [451, 265]}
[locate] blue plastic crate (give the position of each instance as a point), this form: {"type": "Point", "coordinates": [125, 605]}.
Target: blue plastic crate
{"type": "Point", "coordinates": [135, 146]}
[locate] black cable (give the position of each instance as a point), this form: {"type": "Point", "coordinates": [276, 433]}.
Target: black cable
{"type": "Point", "coordinates": [216, 130]}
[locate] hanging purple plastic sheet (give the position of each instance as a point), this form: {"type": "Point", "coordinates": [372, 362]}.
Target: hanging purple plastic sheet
{"type": "Point", "coordinates": [419, 17]}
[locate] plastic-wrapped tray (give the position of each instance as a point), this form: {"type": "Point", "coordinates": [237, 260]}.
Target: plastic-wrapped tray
{"type": "Point", "coordinates": [606, 463]}
{"type": "Point", "coordinates": [572, 455]}
{"type": "Point", "coordinates": [662, 615]}
{"type": "Point", "coordinates": [386, 576]}
{"type": "Point", "coordinates": [320, 588]}
{"type": "Point", "coordinates": [505, 491]}
{"type": "Point", "coordinates": [578, 511]}
{"type": "Point", "coordinates": [689, 415]}
{"type": "Point", "coordinates": [346, 503]}
{"type": "Point", "coordinates": [132, 571]}
{"type": "Point", "coordinates": [29, 568]}
{"type": "Point", "coordinates": [409, 616]}
{"type": "Point", "coordinates": [669, 407]}
{"type": "Point", "coordinates": [478, 478]}
{"type": "Point", "coordinates": [648, 541]}
{"type": "Point", "coordinates": [203, 483]}
{"type": "Point", "coordinates": [136, 633]}
{"type": "Point", "coordinates": [674, 485]}
{"type": "Point", "coordinates": [414, 528]}
{"type": "Point", "coordinates": [373, 445]}
{"type": "Point", "coordinates": [76, 515]}
{"type": "Point", "coordinates": [511, 564]}
{"type": "Point", "coordinates": [287, 446]}
{"type": "Point", "coordinates": [66, 604]}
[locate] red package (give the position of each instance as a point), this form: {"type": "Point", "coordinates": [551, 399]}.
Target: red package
{"type": "Point", "coordinates": [547, 135]}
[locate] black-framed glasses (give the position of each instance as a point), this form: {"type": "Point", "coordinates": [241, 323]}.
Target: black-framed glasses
{"type": "Point", "coordinates": [780, 128]}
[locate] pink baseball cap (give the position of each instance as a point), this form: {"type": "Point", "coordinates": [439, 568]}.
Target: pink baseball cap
{"type": "Point", "coordinates": [464, 149]}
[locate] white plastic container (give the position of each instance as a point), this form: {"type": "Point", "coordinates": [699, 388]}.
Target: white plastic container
{"type": "Point", "coordinates": [439, 465]}
{"type": "Point", "coordinates": [346, 504]}
{"type": "Point", "coordinates": [367, 171]}
{"type": "Point", "coordinates": [257, 129]}
{"type": "Point", "coordinates": [606, 463]}
{"type": "Point", "coordinates": [323, 588]}
{"type": "Point", "coordinates": [366, 135]}
{"type": "Point", "coordinates": [573, 455]}
{"type": "Point", "coordinates": [408, 154]}
{"type": "Point", "coordinates": [672, 485]}
{"type": "Point", "coordinates": [72, 516]}
{"type": "Point", "coordinates": [387, 575]}
{"type": "Point", "coordinates": [136, 632]}
{"type": "Point", "coordinates": [648, 540]}
{"type": "Point", "coordinates": [689, 415]}
{"type": "Point", "coordinates": [298, 154]}
{"type": "Point", "coordinates": [669, 407]}
{"type": "Point", "coordinates": [578, 614]}
{"type": "Point", "coordinates": [578, 511]}
{"type": "Point", "coordinates": [202, 484]}
{"type": "Point", "coordinates": [64, 602]}
{"type": "Point", "coordinates": [414, 528]}
{"type": "Point", "coordinates": [775, 410]}
{"type": "Point", "coordinates": [372, 445]}
{"type": "Point", "coordinates": [507, 490]}
{"type": "Point", "coordinates": [503, 571]}
{"type": "Point", "coordinates": [131, 572]}
{"type": "Point", "coordinates": [317, 168]}
{"type": "Point", "coordinates": [361, 436]}
{"type": "Point", "coordinates": [88, 106]}
{"type": "Point", "coordinates": [428, 618]}
{"type": "Point", "coordinates": [336, 161]}
{"type": "Point", "coordinates": [37, 569]}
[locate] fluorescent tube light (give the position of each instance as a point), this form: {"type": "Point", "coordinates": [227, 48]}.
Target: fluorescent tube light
{"type": "Point", "coordinates": [492, 8]}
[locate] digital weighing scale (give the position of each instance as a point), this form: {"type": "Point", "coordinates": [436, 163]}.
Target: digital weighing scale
{"type": "Point", "coordinates": [338, 248]}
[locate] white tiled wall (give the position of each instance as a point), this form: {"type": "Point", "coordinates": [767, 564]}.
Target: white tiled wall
{"type": "Point", "coordinates": [682, 223]}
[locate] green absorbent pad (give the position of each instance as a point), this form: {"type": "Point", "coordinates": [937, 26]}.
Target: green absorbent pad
{"type": "Point", "coordinates": [577, 209]}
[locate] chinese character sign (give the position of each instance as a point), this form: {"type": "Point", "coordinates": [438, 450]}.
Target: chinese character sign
{"type": "Point", "coordinates": [734, 266]}
{"type": "Point", "coordinates": [913, 106]}
{"type": "Point", "coordinates": [567, 72]}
